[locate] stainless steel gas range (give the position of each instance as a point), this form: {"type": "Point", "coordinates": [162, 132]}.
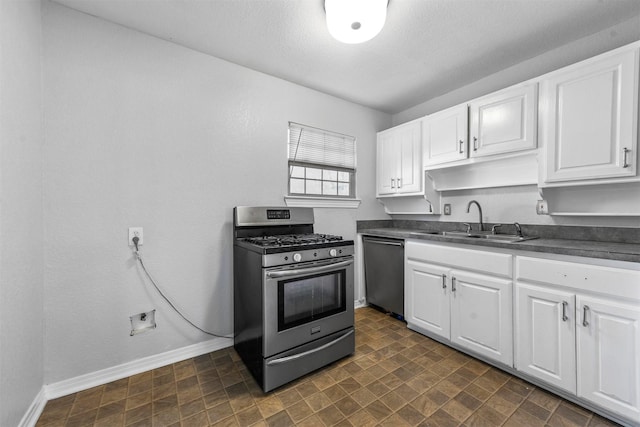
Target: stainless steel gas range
{"type": "Point", "coordinates": [293, 294]}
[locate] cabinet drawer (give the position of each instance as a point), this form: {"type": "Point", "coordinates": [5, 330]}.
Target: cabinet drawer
{"type": "Point", "coordinates": [613, 281]}
{"type": "Point", "coordinates": [497, 264]}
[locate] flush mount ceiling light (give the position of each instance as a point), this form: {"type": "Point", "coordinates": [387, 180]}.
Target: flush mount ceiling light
{"type": "Point", "coordinates": [355, 21]}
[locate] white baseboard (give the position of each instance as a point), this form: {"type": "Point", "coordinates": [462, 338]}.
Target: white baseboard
{"type": "Point", "coordinates": [30, 418]}
{"type": "Point", "coordinates": [360, 303]}
{"type": "Point", "coordinates": [104, 376]}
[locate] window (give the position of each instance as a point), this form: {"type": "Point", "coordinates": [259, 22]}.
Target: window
{"type": "Point", "coordinates": [321, 163]}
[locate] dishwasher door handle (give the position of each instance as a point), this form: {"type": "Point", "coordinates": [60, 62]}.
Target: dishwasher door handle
{"type": "Point", "coordinates": [385, 242]}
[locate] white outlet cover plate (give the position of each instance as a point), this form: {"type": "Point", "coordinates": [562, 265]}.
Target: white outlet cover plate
{"type": "Point", "coordinates": [541, 207]}
{"type": "Point", "coordinates": [136, 231]}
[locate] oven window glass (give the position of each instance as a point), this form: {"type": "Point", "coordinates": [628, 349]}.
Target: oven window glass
{"type": "Point", "coordinates": [310, 298]}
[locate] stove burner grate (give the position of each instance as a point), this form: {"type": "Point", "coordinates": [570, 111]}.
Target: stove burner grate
{"type": "Point", "coordinates": [292, 239]}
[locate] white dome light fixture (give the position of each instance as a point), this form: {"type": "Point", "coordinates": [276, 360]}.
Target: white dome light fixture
{"type": "Point", "coordinates": [355, 21]}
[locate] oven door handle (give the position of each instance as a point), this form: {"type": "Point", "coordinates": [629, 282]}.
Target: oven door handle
{"type": "Point", "coordinates": [308, 270]}
{"type": "Point", "coordinates": [308, 352]}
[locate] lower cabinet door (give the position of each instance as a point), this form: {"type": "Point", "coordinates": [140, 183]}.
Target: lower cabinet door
{"type": "Point", "coordinates": [481, 315]}
{"type": "Point", "coordinates": [427, 298]}
{"type": "Point", "coordinates": [608, 355]}
{"type": "Point", "coordinates": [545, 338]}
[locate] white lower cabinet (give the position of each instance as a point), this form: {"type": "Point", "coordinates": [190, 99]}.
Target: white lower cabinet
{"type": "Point", "coordinates": [545, 335]}
{"type": "Point", "coordinates": [427, 298]}
{"type": "Point", "coordinates": [608, 350]}
{"type": "Point", "coordinates": [466, 306]}
{"type": "Point", "coordinates": [481, 318]}
{"type": "Point", "coordinates": [577, 328]}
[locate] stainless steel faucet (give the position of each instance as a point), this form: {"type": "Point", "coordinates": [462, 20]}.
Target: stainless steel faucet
{"type": "Point", "coordinates": [479, 212]}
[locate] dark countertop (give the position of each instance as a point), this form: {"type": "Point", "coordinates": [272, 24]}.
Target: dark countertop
{"type": "Point", "coordinates": [627, 251]}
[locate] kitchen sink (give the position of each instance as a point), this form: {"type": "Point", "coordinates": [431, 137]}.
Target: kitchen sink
{"type": "Point", "coordinates": [506, 238]}
{"type": "Point", "coordinates": [420, 233]}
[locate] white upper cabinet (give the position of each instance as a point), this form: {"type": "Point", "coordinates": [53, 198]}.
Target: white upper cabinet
{"type": "Point", "coordinates": [499, 123]}
{"type": "Point", "coordinates": [445, 136]}
{"type": "Point", "coordinates": [399, 160]}
{"type": "Point", "coordinates": [504, 121]}
{"type": "Point", "coordinates": [589, 114]}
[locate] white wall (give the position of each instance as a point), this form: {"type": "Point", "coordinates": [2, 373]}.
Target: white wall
{"type": "Point", "coordinates": [21, 287]}
{"type": "Point", "coordinates": [141, 132]}
{"type": "Point", "coordinates": [510, 204]}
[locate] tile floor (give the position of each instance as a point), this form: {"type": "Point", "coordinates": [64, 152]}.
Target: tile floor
{"type": "Point", "coordinates": [395, 378]}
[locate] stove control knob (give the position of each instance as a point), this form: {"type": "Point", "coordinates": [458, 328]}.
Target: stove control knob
{"type": "Point", "coordinates": [333, 252]}
{"type": "Point", "coordinates": [297, 257]}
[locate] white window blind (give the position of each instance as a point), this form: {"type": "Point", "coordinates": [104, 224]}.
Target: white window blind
{"type": "Point", "coordinates": [321, 147]}
{"type": "Point", "coordinates": [321, 163]}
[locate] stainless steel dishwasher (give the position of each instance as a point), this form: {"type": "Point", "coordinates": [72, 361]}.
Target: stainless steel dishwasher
{"type": "Point", "coordinates": [384, 273]}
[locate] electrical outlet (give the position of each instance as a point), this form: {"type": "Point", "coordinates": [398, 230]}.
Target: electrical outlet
{"type": "Point", "coordinates": [142, 322]}
{"type": "Point", "coordinates": [133, 232]}
{"type": "Point", "coordinates": [447, 209]}
{"type": "Point", "coordinates": [542, 208]}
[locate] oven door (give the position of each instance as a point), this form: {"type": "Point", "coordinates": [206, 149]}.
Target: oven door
{"type": "Point", "coordinates": [305, 302]}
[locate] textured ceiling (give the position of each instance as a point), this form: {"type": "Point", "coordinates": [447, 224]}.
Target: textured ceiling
{"type": "Point", "coordinates": [427, 47]}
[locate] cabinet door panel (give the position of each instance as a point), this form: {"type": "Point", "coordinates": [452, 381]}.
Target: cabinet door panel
{"type": "Point", "coordinates": [609, 355]}
{"type": "Point", "coordinates": [481, 315]}
{"type": "Point", "coordinates": [387, 164]}
{"type": "Point", "coordinates": [545, 335]}
{"type": "Point", "coordinates": [410, 172]}
{"type": "Point", "coordinates": [504, 122]}
{"type": "Point", "coordinates": [399, 159]}
{"type": "Point", "coordinates": [591, 118]}
{"type": "Point", "coordinates": [427, 298]}
{"type": "Point", "coordinates": [445, 136]}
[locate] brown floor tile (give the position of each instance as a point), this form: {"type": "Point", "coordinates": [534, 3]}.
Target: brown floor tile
{"type": "Point", "coordinates": [441, 418]}
{"type": "Point", "coordinates": [330, 415]}
{"type": "Point", "coordinates": [396, 378]}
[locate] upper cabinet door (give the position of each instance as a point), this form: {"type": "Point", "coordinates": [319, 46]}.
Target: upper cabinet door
{"type": "Point", "coordinates": [410, 156]}
{"type": "Point", "coordinates": [445, 136]}
{"type": "Point", "coordinates": [387, 164]}
{"type": "Point", "coordinates": [590, 119]}
{"type": "Point", "coordinates": [504, 121]}
{"type": "Point", "coordinates": [399, 159]}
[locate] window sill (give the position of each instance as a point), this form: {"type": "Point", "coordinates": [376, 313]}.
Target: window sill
{"type": "Point", "coordinates": [321, 202]}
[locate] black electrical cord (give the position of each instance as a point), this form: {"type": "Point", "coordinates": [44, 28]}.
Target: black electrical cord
{"type": "Point", "coordinates": [153, 282]}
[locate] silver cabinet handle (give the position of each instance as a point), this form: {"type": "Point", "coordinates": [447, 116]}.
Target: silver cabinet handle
{"type": "Point", "coordinates": [308, 352]}
{"type": "Point", "coordinates": [460, 150]}
{"type": "Point", "coordinates": [475, 144]}
{"type": "Point", "coordinates": [626, 153]}
{"type": "Point", "coordinates": [585, 309]}
{"type": "Point", "coordinates": [393, 183]}
{"type": "Point", "coordinates": [453, 284]}
{"type": "Point", "coordinates": [399, 183]}
{"type": "Point", "coordinates": [444, 281]}
{"type": "Point", "coordinates": [564, 311]}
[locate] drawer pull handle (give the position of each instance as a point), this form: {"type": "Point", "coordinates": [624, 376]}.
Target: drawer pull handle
{"type": "Point", "coordinates": [461, 142]}
{"type": "Point", "coordinates": [564, 311]}
{"type": "Point", "coordinates": [453, 284]}
{"type": "Point", "coordinates": [444, 281]}
{"type": "Point", "coordinates": [393, 183]}
{"type": "Point", "coordinates": [475, 143]}
{"type": "Point", "coordinates": [585, 322]}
